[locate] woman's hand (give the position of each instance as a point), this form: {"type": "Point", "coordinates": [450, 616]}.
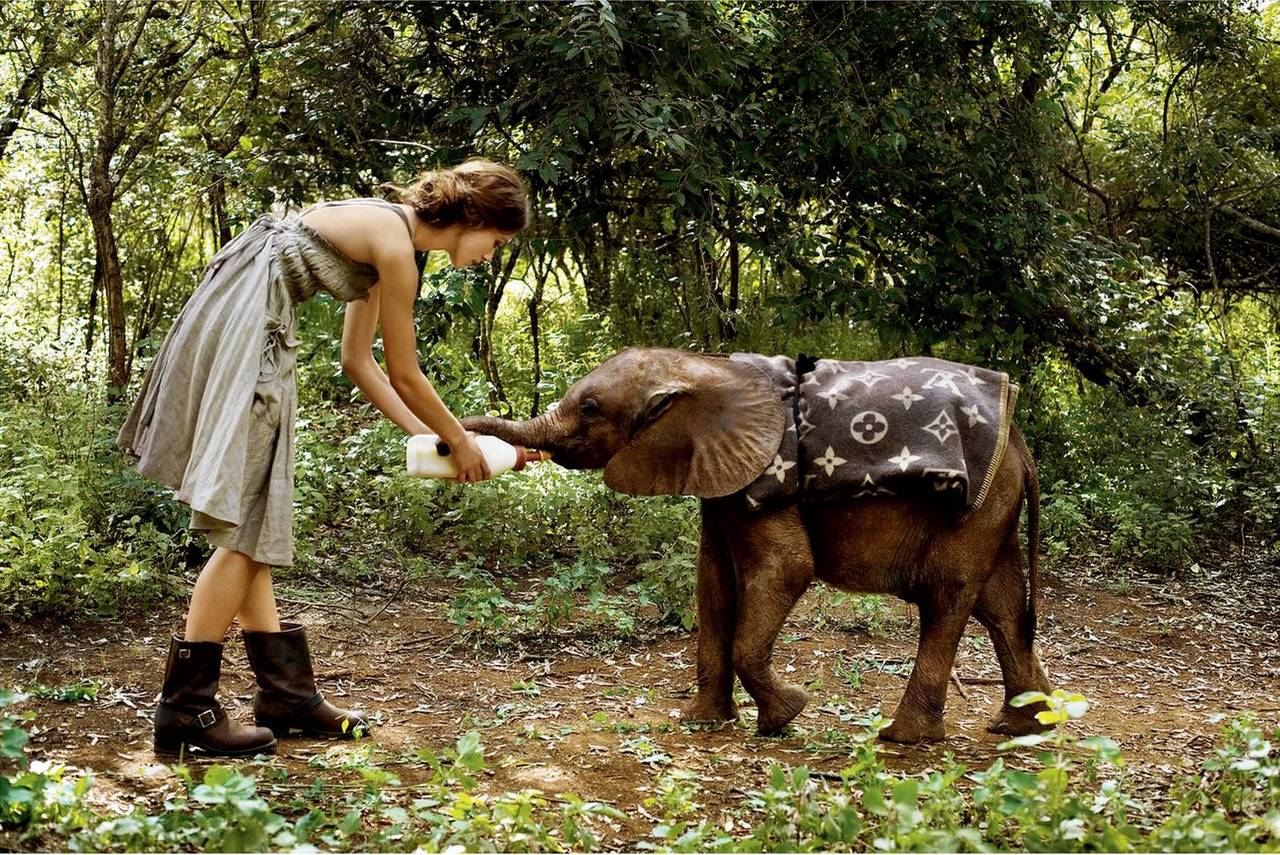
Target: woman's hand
{"type": "Point", "coordinates": [470, 461]}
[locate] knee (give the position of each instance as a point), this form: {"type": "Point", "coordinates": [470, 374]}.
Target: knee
{"type": "Point", "coordinates": [799, 577]}
{"type": "Point", "coordinates": [747, 658]}
{"type": "Point", "coordinates": [753, 655]}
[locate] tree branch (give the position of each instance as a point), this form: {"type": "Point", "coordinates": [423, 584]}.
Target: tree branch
{"type": "Point", "coordinates": [118, 69]}
{"type": "Point", "coordinates": [152, 129]}
{"type": "Point", "coordinates": [1256, 225]}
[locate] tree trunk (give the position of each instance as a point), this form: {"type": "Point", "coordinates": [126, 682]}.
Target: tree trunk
{"type": "Point", "coordinates": [541, 266]}
{"type": "Point", "coordinates": [218, 211]}
{"type": "Point", "coordinates": [497, 286]}
{"type": "Point", "coordinates": [62, 245]}
{"type": "Point", "coordinates": [222, 144]}
{"type": "Point", "coordinates": [735, 262]}
{"type": "Point", "coordinates": [109, 282]}
{"type": "Point", "coordinates": [107, 278]}
{"type": "Point", "coordinates": [29, 89]}
{"type": "Point", "coordinates": [129, 123]}
{"type": "Point", "coordinates": [534, 303]}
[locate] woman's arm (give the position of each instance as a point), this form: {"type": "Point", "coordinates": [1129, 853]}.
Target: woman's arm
{"type": "Point", "coordinates": [397, 287]}
{"type": "Point", "coordinates": [398, 281]}
{"type": "Point", "coordinates": [363, 370]}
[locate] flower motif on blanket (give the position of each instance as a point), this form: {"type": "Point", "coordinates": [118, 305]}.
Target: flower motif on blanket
{"type": "Point", "coordinates": [918, 427]}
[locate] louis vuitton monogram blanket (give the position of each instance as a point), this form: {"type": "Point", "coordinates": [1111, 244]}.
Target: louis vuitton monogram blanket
{"type": "Point", "coordinates": [918, 427]}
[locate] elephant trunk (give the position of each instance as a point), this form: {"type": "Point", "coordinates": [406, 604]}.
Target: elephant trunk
{"type": "Point", "coordinates": [541, 432]}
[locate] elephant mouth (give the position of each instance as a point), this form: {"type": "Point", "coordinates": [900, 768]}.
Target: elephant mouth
{"type": "Point", "coordinates": [573, 456]}
{"type": "Point", "coordinates": [567, 460]}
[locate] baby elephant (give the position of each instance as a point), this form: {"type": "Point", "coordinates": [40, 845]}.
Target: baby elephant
{"type": "Point", "coordinates": [928, 512]}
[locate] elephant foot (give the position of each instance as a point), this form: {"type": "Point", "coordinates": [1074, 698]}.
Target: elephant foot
{"type": "Point", "coordinates": [911, 729]}
{"type": "Point", "coordinates": [1018, 721]}
{"type": "Point", "coordinates": [779, 708]}
{"type": "Point", "coordinates": [703, 707]}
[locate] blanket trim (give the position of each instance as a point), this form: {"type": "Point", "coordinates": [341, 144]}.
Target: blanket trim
{"type": "Point", "coordinates": [804, 364]}
{"type": "Point", "coordinates": [1008, 396]}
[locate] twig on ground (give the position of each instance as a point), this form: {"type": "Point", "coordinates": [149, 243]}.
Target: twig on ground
{"type": "Point", "coordinates": [404, 580]}
{"type": "Point", "coordinates": [347, 610]}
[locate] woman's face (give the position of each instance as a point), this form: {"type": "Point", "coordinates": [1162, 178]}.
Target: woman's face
{"type": "Point", "coordinates": [477, 245]}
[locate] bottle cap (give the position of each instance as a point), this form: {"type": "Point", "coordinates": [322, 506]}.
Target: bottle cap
{"type": "Point", "coordinates": [525, 456]}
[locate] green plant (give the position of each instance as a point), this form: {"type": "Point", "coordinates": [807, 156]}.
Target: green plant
{"type": "Point", "coordinates": [856, 613]}
{"type": "Point", "coordinates": [16, 793]}
{"type": "Point", "coordinates": [85, 689]}
{"type": "Point", "coordinates": [676, 792]}
{"type": "Point", "coordinates": [481, 604]}
{"type": "Point", "coordinates": [453, 815]}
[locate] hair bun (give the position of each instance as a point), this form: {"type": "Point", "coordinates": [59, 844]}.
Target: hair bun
{"type": "Point", "coordinates": [477, 194]}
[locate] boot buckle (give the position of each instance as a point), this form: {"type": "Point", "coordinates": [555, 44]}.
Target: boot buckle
{"type": "Point", "coordinates": [184, 652]}
{"type": "Point", "coordinates": [213, 719]}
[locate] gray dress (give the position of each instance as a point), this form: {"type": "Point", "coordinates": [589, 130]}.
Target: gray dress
{"type": "Point", "coordinates": [214, 417]}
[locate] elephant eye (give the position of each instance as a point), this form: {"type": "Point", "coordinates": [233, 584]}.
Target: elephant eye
{"type": "Point", "coordinates": [590, 407]}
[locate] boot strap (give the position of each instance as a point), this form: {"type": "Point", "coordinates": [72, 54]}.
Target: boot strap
{"type": "Point", "coordinates": [311, 703]}
{"type": "Point", "coordinates": [205, 718]}
{"type": "Point", "coordinates": [292, 707]}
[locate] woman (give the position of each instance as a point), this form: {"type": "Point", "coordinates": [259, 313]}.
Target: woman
{"type": "Point", "coordinates": [214, 422]}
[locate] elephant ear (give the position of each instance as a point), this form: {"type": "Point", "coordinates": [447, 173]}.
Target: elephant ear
{"type": "Point", "coordinates": [708, 431]}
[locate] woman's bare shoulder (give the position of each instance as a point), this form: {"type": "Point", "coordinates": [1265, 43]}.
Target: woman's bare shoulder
{"type": "Point", "coordinates": [369, 233]}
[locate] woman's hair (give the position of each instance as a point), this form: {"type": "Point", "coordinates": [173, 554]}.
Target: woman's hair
{"type": "Point", "coordinates": [477, 193]}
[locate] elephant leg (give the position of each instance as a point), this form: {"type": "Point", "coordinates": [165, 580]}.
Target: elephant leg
{"type": "Point", "coordinates": [1002, 608]}
{"type": "Point", "coordinates": [943, 615]}
{"type": "Point", "coordinates": [775, 567]}
{"type": "Point", "coordinates": [717, 595]}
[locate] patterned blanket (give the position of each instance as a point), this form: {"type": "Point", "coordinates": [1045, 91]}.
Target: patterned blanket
{"type": "Point", "coordinates": [918, 427]}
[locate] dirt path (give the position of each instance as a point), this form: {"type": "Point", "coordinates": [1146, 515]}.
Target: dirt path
{"type": "Point", "coordinates": [564, 717]}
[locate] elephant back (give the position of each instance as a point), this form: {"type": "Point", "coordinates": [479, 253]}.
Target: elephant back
{"type": "Point", "coordinates": [913, 428]}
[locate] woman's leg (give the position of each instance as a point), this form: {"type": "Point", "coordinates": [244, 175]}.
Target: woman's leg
{"type": "Point", "coordinates": [288, 698]}
{"type": "Point", "coordinates": [258, 611]}
{"type": "Point", "coordinates": [223, 589]}
{"type": "Point", "coordinates": [189, 713]}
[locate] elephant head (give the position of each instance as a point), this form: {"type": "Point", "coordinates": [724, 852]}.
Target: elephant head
{"type": "Point", "coordinates": [659, 422]}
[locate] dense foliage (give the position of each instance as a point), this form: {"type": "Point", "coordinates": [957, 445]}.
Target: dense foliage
{"type": "Point", "coordinates": [1084, 195]}
{"type": "Point", "coordinates": [1073, 797]}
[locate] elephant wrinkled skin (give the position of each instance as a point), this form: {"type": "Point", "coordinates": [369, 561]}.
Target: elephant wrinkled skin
{"type": "Point", "coordinates": [669, 422]}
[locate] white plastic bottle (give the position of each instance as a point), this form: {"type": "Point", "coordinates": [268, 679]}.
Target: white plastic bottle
{"type": "Point", "coordinates": [428, 457]}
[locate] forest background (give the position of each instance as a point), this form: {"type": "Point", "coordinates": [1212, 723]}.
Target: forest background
{"type": "Point", "coordinates": [1085, 195]}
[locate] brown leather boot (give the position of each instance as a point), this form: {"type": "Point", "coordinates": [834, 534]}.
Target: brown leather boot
{"type": "Point", "coordinates": [287, 696]}
{"type": "Point", "coordinates": [189, 713]}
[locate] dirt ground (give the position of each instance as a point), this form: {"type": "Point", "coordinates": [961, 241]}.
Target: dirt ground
{"type": "Point", "coordinates": [1157, 660]}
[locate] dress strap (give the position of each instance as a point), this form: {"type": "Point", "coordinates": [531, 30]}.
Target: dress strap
{"type": "Point", "coordinates": [380, 202]}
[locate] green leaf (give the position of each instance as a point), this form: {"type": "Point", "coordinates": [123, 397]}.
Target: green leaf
{"type": "Point", "coordinates": [1024, 741]}
{"type": "Point", "coordinates": [873, 801]}
{"type": "Point", "coordinates": [1076, 708]}
{"type": "Point", "coordinates": [906, 794]}
{"type": "Point", "coordinates": [216, 776]}
{"type": "Point", "coordinates": [1027, 698]}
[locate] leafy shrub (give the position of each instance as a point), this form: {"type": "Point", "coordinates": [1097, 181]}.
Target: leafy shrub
{"type": "Point", "coordinates": [1072, 800]}
{"type": "Point", "coordinates": [79, 532]}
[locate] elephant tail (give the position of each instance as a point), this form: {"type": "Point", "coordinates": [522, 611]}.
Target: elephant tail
{"type": "Point", "coordinates": [1031, 485]}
